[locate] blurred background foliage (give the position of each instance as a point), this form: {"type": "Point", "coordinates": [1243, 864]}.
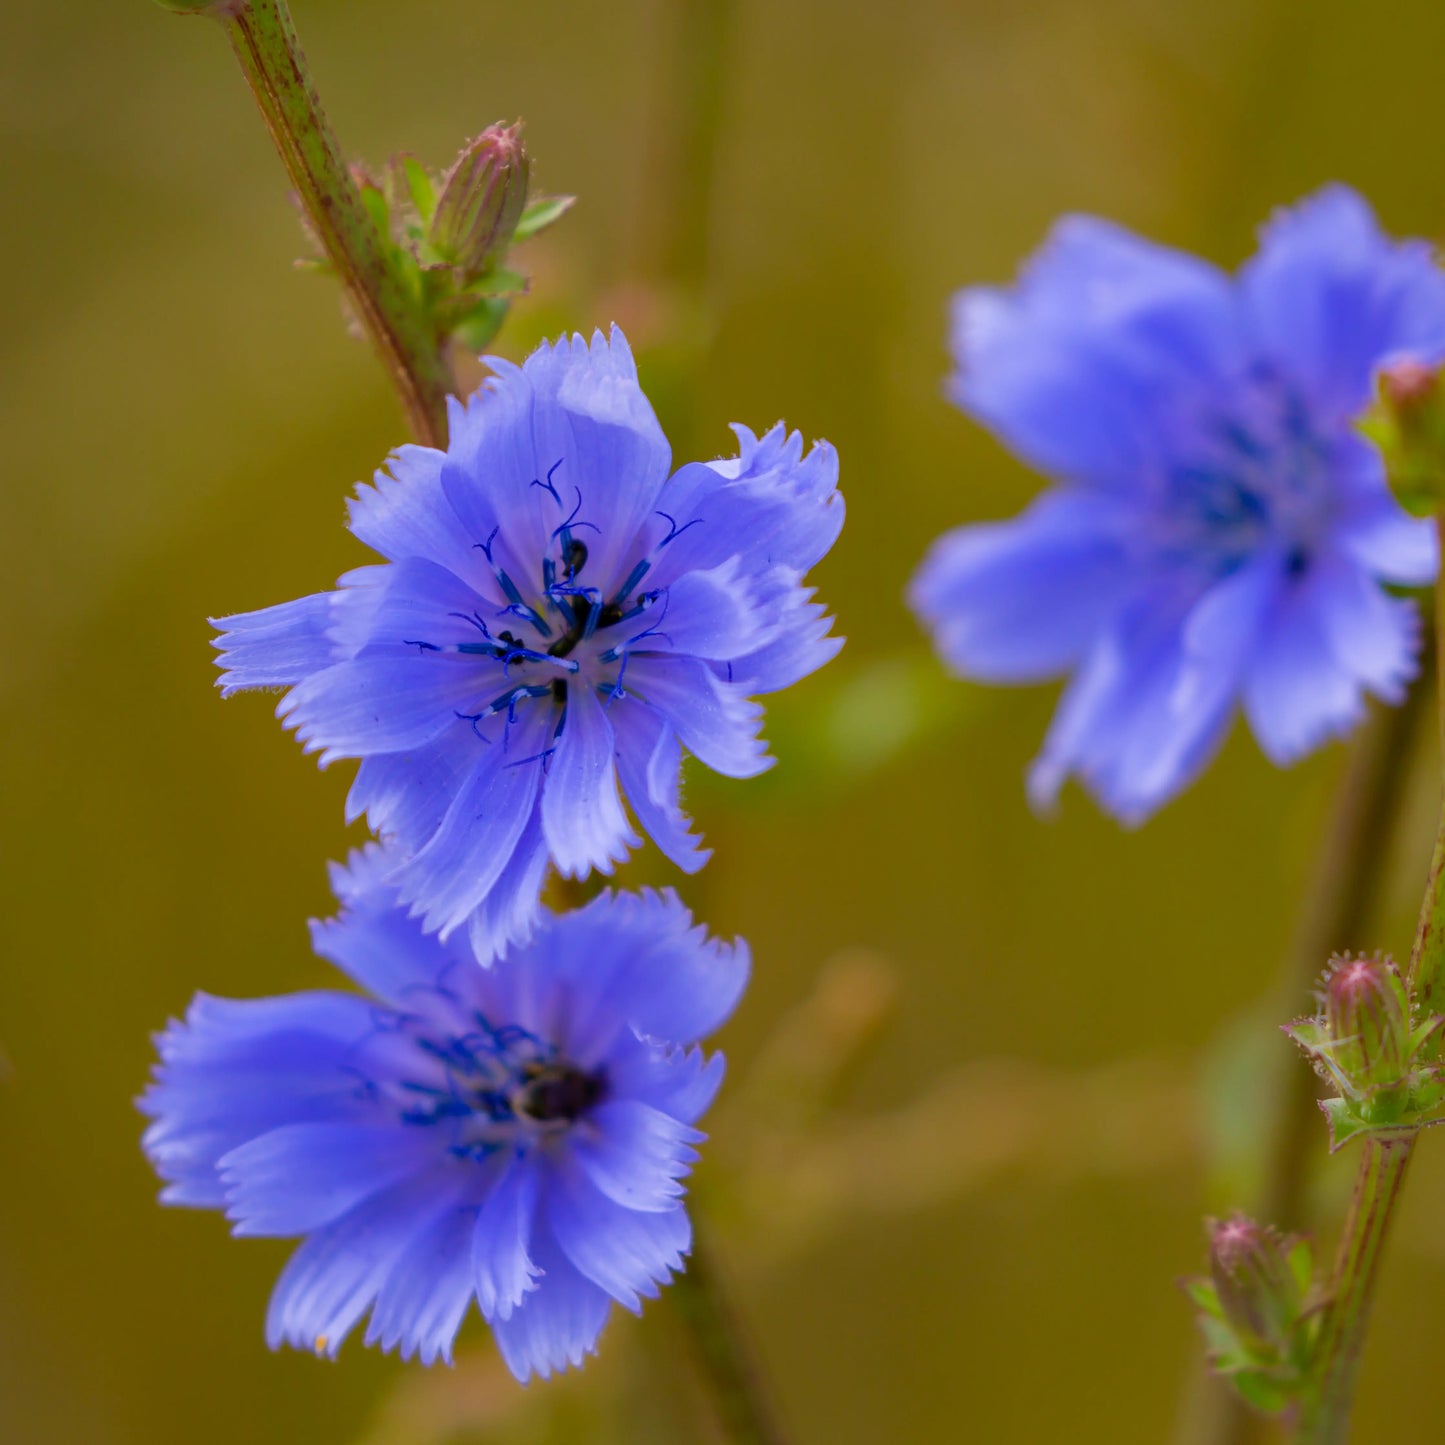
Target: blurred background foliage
{"type": "Point", "coordinates": [992, 1068]}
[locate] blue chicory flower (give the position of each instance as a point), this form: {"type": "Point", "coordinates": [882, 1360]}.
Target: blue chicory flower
{"type": "Point", "coordinates": [1220, 532]}
{"type": "Point", "coordinates": [555, 613]}
{"type": "Point", "coordinates": [514, 1134]}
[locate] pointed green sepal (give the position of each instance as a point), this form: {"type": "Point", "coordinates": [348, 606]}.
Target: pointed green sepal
{"type": "Point", "coordinates": [543, 212]}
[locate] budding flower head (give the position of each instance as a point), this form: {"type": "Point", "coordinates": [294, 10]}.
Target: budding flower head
{"type": "Point", "coordinates": [482, 199]}
{"type": "Point", "coordinates": [1367, 1017]}
{"type": "Point", "coordinates": [1407, 423]}
{"type": "Point", "coordinates": [1261, 1291]}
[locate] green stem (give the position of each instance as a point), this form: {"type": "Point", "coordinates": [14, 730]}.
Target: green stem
{"type": "Point", "coordinates": [1326, 1416]}
{"type": "Point", "coordinates": [264, 41]}
{"type": "Point", "coordinates": [1341, 899]}
{"type": "Point", "coordinates": [718, 1346]}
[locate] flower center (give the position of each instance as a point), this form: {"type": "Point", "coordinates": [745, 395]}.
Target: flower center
{"type": "Point", "coordinates": [495, 1087]}
{"type": "Point", "coordinates": [568, 628]}
{"type": "Point", "coordinates": [1258, 478]}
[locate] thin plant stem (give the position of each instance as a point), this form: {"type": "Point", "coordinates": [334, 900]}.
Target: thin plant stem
{"type": "Point", "coordinates": [1340, 901]}
{"type": "Point", "coordinates": [721, 1352]}
{"type": "Point", "coordinates": [1325, 1419]}
{"type": "Point", "coordinates": [1326, 1416]}
{"type": "Point", "coordinates": [1343, 897]}
{"type": "Point", "coordinates": [265, 44]}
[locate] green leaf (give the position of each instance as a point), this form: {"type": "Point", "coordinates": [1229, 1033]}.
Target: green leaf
{"type": "Point", "coordinates": [541, 213]}
{"type": "Point", "coordinates": [500, 282]}
{"type": "Point", "coordinates": [1264, 1393]}
{"type": "Point", "coordinates": [476, 329]}
{"type": "Point", "coordinates": [1301, 1261]}
{"type": "Point", "coordinates": [1204, 1295]}
{"type": "Point", "coordinates": [419, 187]}
{"type": "Point", "coordinates": [374, 199]}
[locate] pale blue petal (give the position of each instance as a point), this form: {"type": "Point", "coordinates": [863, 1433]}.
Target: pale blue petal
{"type": "Point", "coordinates": [558, 1323]}
{"type": "Point", "coordinates": [1153, 702]}
{"type": "Point", "coordinates": [771, 507]}
{"type": "Point", "coordinates": [378, 705]}
{"type": "Point", "coordinates": [1297, 693]}
{"type": "Point", "coordinates": [1331, 297]}
{"type": "Point", "coordinates": [275, 647]}
{"type": "Point", "coordinates": [1376, 637]}
{"type": "Point", "coordinates": [582, 814]}
{"type": "Point", "coordinates": [1070, 367]}
{"type": "Point", "coordinates": [680, 1082]}
{"type": "Point", "coordinates": [513, 907]}
{"type": "Point", "coordinates": [468, 853]}
{"type": "Point", "coordinates": [713, 614]}
{"type": "Point", "coordinates": [800, 645]}
{"type": "Point", "coordinates": [649, 763]}
{"type": "Point", "coordinates": [714, 719]}
{"type": "Point", "coordinates": [428, 1290]}
{"type": "Point", "coordinates": [332, 1279]}
{"type": "Point", "coordinates": [635, 1154]}
{"type": "Point", "coordinates": [302, 1176]}
{"type": "Point", "coordinates": [372, 939]}
{"type": "Point", "coordinates": [407, 515]}
{"type": "Point", "coordinates": [623, 1251]}
{"type": "Point", "coordinates": [1023, 600]}
{"type": "Point", "coordinates": [502, 1268]}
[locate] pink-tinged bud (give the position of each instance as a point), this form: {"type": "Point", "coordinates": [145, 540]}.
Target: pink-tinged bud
{"type": "Point", "coordinates": [1261, 1288]}
{"type": "Point", "coordinates": [1367, 1020]}
{"type": "Point", "coordinates": [1407, 423]}
{"type": "Point", "coordinates": [1405, 385]}
{"type": "Point", "coordinates": [482, 198]}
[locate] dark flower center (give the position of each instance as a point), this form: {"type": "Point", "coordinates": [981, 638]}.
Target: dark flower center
{"type": "Point", "coordinates": [1259, 477]}
{"type": "Point", "coordinates": [570, 628]}
{"type": "Point", "coordinates": [495, 1086]}
{"type": "Point", "coordinates": [558, 1091]}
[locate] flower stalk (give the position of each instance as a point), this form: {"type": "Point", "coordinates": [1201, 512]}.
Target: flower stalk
{"type": "Point", "coordinates": [1326, 1416]}
{"type": "Point", "coordinates": [720, 1350]}
{"type": "Point", "coordinates": [415, 355]}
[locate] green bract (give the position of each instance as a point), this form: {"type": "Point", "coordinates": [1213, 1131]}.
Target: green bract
{"type": "Point", "coordinates": [1407, 423]}
{"type": "Point", "coordinates": [1375, 1048]}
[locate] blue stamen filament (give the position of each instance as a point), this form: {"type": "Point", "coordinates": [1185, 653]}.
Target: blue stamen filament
{"type": "Point", "coordinates": [562, 650]}
{"type": "Point", "coordinates": [499, 1086]}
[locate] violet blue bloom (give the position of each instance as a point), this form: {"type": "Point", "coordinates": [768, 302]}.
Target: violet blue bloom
{"type": "Point", "coordinates": [1220, 533]}
{"type": "Point", "coordinates": [514, 1134]}
{"type": "Point", "coordinates": [556, 613]}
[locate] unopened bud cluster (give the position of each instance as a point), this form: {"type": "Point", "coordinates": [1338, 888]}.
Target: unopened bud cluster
{"type": "Point", "coordinates": [1407, 423]}
{"type": "Point", "coordinates": [1369, 1041]}
{"type": "Point", "coordinates": [1255, 1310]}
{"type": "Point", "coordinates": [449, 235]}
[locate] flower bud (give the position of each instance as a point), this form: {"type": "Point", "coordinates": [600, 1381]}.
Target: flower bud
{"type": "Point", "coordinates": [482, 198]}
{"type": "Point", "coordinates": [1260, 1289]}
{"type": "Point", "coordinates": [1367, 1019]}
{"type": "Point", "coordinates": [1407, 423]}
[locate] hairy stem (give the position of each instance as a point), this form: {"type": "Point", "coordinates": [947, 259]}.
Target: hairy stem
{"type": "Point", "coordinates": [1338, 910]}
{"type": "Point", "coordinates": [1326, 1416]}
{"type": "Point", "coordinates": [718, 1345]}
{"type": "Point", "coordinates": [1341, 899]}
{"type": "Point", "coordinates": [264, 41]}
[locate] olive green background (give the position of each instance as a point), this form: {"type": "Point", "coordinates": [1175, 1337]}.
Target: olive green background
{"type": "Point", "coordinates": [181, 417]}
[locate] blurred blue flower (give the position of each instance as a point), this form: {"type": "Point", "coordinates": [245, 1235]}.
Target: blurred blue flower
{"type": "Point", "coordinates": [515, 1134]}
{"type": "Point", "coordinates": [555, 613]}
{"type": "Point", "coordinates": [1220, 533]}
